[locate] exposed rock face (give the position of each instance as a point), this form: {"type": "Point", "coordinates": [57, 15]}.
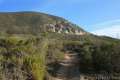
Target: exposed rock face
{"type": "Point", "coordinates": [79, 32]}
{"type": "Point", "coordinates": [64, 28]}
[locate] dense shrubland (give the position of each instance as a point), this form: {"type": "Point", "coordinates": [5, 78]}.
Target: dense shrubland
{"type": "Point", "coordinates": [27, 58]}
{"type": "Point", "coordinates": [97, 57]}
{"type": "Point", "coordinates": [22, 59]}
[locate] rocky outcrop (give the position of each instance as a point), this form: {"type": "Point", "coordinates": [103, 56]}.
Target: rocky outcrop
{"type": "Point", "coordinates": [64, 28]}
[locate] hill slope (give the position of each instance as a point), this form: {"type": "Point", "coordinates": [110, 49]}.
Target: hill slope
{"type": "Point", "coordinates": [34, 23]}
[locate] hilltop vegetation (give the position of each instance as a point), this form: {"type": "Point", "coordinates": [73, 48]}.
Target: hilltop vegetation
{"type": "Point", "coordinates": [29, 22]}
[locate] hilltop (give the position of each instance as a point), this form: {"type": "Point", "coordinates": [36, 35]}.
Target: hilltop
{"type": "Point", "coordinates": [35, 23]}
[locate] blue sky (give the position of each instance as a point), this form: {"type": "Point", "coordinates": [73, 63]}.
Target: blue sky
{"type": "Point", "coordinates": [101, 17]}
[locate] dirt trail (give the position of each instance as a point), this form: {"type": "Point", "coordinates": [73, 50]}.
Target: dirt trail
{"type": "Point", "coordinates": [68, 69]}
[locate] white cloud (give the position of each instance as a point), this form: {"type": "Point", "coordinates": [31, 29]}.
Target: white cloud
{"type": "Point", "coordinates": [105, 24]}
{"type": "Point", "coordinates": [112, 31]}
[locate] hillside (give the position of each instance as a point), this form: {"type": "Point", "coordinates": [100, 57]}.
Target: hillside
{"type": "Point", "coordinates": [34, 23]}
{"type": "Point", "coordinates": [38, 46]}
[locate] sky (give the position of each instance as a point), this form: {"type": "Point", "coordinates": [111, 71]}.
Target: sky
{"type": "Point", "coordinates": [101, 17]}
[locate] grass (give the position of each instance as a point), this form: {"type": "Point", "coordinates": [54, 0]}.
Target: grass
{"type": "Point", "coordinates": [28, 53]}
{"type": "Point", "coordinates": [25, 53]}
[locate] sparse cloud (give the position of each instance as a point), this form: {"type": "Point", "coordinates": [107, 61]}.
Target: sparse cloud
{"type": "Point", "coordinates": [105, 24]}
{"type": "Point", "coordinates": [109, 30]}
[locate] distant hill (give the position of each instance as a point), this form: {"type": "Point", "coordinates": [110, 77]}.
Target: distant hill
{"type": "Point", "coordinates": [35, 23]}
